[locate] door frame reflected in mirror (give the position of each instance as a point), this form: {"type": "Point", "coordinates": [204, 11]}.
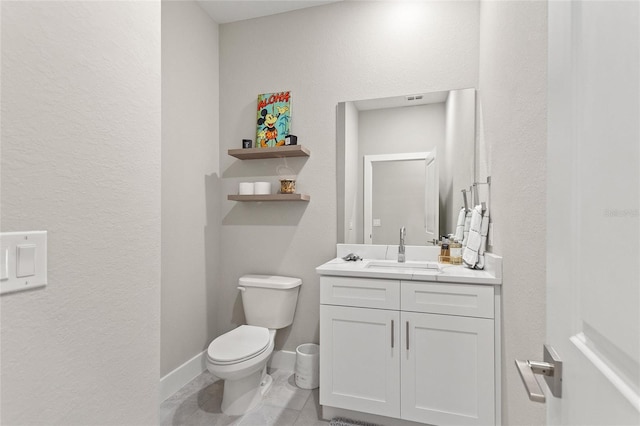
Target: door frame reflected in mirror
{"type": "Point", "coordinates": [430, 208]}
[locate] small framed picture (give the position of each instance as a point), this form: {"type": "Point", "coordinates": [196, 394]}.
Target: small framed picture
{"type": "Point", "coordinates": [273, 119]}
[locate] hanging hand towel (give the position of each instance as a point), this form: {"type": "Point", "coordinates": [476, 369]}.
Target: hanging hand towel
{"type": "Point", "coordinates": [474, 240]}
{"type": "Point", "coordinates": [467, 225]}
{"type": "Point", "coordinates": [484, 230]}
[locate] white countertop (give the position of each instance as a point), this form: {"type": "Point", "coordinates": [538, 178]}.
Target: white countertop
{"type": "Point", "coordinates": [492, 274]}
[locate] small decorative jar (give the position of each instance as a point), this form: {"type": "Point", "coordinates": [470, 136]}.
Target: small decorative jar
{"type": "Point", "coordinates": [287, 186]}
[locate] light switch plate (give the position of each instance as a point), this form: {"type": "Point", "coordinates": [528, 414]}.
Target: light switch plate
{"type": "Point", "coordinates": [26, 260]}
{"type": "Point", "coordinates": [23, 260]}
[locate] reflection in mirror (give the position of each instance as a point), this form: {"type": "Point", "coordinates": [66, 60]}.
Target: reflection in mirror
{"type": "Point", "coordinates": [400, 190]}
{"type": "Point", "coordinates": [373, 130]}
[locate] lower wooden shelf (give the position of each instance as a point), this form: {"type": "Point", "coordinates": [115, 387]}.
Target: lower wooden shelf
{"type": "Point", "coordinates": [270, 197]}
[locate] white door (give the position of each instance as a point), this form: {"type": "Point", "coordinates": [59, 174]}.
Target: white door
{"type": "Point", "coordinates": [593, 280]}
{"type": "Point", "coordinates": [359, 356]}
{"type": "Point", "coordinates": [447, 369]}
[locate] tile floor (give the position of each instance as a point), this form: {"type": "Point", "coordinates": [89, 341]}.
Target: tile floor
{"type": "Point", "coordinates": [198, 403]}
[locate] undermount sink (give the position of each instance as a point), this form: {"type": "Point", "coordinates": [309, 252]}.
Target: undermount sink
{"type": "Point", "coordinates": [404, 265]}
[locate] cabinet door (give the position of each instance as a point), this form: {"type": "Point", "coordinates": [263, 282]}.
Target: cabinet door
{"type": "Point", "coordinates": [359, 361]}
{"type": "Point", "coordinates": [447, 369]}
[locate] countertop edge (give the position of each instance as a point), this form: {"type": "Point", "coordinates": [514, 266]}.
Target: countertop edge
{"type": "Point", "coordinates": [326, 269]}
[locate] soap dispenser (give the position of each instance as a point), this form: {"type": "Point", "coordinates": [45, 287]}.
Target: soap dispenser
{"type": "Point", "coordinates": [444, 251]}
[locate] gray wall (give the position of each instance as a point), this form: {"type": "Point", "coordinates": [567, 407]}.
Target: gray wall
{"type": "Point", "coordinates": [81, 159]}
{"type": "Point", "coordinates": [328, 54]}
{"type": "Point", "coordinates": [512, 99]}
{"type": "Point", "coordinates": [190, 182]}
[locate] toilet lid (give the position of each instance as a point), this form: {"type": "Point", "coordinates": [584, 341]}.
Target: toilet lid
{"type": "Point", "coordinates": [241, 343]}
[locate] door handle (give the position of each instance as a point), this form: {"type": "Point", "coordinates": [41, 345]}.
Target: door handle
{"type": "Point", "coordinates": [527, 370]}
{"type": "Point", "coordinates": [550, 369]}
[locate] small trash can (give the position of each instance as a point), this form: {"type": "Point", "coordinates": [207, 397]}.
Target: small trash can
{"type": "Point", "coordinates": [308, 366]}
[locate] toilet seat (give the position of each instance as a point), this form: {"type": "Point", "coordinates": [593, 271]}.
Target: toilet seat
{"type": "Point", "coordinates": [239, 344]}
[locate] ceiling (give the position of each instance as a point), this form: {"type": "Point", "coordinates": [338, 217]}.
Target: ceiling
{"type": "Point", "coordinates": [225, 11]}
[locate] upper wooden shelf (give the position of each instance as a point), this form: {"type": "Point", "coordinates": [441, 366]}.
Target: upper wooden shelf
{"type": "Point", "coordinates": [275, 152]}
{"type": "Point", "coordinates": [270, 197]}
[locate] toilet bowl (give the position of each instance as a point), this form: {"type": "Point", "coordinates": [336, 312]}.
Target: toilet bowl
{"type": "Point", "coordinates": [240, 356]}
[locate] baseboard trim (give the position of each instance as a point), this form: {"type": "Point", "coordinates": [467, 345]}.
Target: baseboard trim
{"type": "Point", "coordinates": [282, 360]}
{"type": "Point", "coordinates": [175, 380]}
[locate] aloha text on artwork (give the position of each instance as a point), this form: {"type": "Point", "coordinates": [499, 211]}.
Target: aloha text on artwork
{"type": "Point", "coordinates": [276, 97]}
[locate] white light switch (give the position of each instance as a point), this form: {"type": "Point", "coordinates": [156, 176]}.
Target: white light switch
{"type": "Point", "coordinates": [376, 222]}
{"type": "Point", "coordinates": [23, 257]}
{"type": "Point", "coordinates": [26, 260]}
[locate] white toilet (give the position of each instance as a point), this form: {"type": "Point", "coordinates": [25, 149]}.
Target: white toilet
{"type": "Point", "coordinates": [240, 356]}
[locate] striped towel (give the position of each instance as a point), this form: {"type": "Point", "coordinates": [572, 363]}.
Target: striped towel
{"type": "Point", "coordinates": [467, 225]}
{"type": "Point", "coordinates": [473, 254]}
{"type": "Point", "coordinates": [484, 231]}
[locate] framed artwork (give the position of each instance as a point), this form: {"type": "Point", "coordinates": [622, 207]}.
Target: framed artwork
{"type": "Point", "coordinates": [273, 119]}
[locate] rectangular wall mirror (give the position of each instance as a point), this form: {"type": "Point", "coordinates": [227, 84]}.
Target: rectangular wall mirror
{"type": "Point", "coordinates": [403, 161]}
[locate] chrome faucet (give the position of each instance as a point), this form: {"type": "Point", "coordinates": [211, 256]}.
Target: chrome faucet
{"type": "Point", "coordinates": [401, 257]}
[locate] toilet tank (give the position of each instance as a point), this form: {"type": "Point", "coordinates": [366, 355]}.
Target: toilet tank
{"type": "Point", "coordinates": [269, 300]}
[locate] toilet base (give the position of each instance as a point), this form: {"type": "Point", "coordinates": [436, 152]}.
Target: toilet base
{"type": "Point", "coordinates": [265, 384]}
{"type": "Point", "coordinates": [240, 396]}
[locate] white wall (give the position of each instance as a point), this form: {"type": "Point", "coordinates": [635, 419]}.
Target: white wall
{"type": "Point", "coordinates": [81, 159]}
{"type": "Point", "coordinates": [324, 55]}
{"type": "Point", "coordinates": [512, 98]}
{"type": "Point", "coordinates": [190, 181]}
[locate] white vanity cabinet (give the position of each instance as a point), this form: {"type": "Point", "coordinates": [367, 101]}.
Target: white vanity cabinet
{"type": "Point", "coordinates": [360, 346]}
{"type": "Point", "coordinates": [359, 369]}
{"type": "Point", "coordinates": [411, 350]}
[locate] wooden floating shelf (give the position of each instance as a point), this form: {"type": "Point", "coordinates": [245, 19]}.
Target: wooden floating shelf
{"type": "Point", "coordinates": [275, 152]}
{"type": "Point", "coordinates": [270, 197]}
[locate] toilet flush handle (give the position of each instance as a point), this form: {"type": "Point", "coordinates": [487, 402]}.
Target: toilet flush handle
{"type": "Point", "coordinates": [241, 288]}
